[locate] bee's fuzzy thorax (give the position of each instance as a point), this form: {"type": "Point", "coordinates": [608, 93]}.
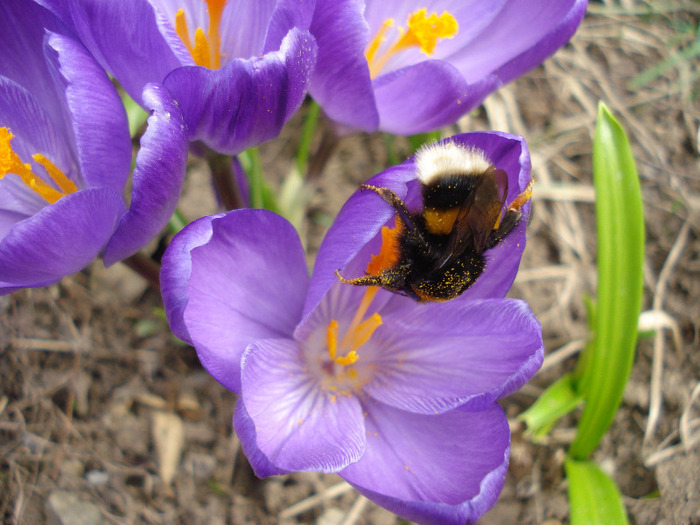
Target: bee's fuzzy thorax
{"type": "Point", "coordinates": [449, 159]}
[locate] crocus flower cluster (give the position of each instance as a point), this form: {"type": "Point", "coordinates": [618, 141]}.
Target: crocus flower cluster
{"type": "Point", "coordinates": [403, 68]}
{"type": "Point", "coordinates": [238, 68]}
{"type": "Point", "coordinates": [397, 397]}
{"type": "Point", "coordinates": [65, 155]}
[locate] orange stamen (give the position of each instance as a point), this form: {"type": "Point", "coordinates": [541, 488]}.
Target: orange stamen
{"type": "Point", "coordinates": [357, 333]}
{"type": "Point", "coordinates": [181, 28]}
{"type": "Point", "coordinates": [423, 31]}
{"type": "Point", "coordinates": [11, 163]}
{"type": "Point", "coordinates": [206, 51]}
{"type": "Point", "coordinates": [518, 202]}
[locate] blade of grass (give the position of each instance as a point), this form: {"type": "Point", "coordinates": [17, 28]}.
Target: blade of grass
{"type": "Point", "coordinates": [620, 227]}
{"type": "Point", "coordinates": [648, 75]}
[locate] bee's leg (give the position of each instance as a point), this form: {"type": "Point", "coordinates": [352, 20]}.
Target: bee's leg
{"type": "Point", "coordinates": [510, 218]}
{"type": "Point", "coordinates": [522, 198]}
{"type": "Point", "coordinates": [367, 280]}
{"type": "Point", "coordinates": [395, 202]}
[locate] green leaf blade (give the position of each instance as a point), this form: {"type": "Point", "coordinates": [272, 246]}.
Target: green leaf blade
{"type": "Point", "coordinates": [593, 496]}
{"type": "Point", "coordinates": [556, 401]}
{"type": "Point", "coordinates": [620, 222]}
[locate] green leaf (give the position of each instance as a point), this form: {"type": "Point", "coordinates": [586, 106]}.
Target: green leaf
{"type": "Point", "coordinates": [419, 140]}
{"type": "Point", "coordinates": [261, 194]}
{"type": "Point", "coordinates": [177, 222]}
{"type": "Point", "coordinates": [312, 113]}
{"type": "Point", "coordinates": [556, 401]}
{"type": "Point", "coordinates": [620, 223]}
{"type": "Point", "coordinates": [593, 496]}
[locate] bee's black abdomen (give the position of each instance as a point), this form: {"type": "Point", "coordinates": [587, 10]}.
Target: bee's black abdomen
{"type": "Point", "coordinates": [450, 281]}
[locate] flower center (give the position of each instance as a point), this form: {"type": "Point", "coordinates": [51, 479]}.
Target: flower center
{"type": "Point", "coordinates": [11, 163]}
{"type": "Point", "coordinates": [357, 334]}
{"type": "Point", "coordinates": [206, 50]}
{"type": "Point", "coordinates": [423, 31]}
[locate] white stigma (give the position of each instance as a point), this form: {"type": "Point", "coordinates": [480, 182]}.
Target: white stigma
{"type": "Point", "coordinates": [437, 160]}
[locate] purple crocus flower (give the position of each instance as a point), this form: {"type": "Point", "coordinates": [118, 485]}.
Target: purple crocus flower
{"type": "Point", "coordinates": [397, 397]}
{"type": "Point", "coordinates": [404, 69]}
{"type": "Point", "coordinates": [239, 69]}
{"type": "Point", "coordinates": [65, 155]}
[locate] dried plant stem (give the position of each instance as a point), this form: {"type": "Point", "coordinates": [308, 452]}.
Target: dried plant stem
{"type": "Point", "coordinates": [657, 364]}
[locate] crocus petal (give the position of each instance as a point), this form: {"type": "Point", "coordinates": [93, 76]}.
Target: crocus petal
{"type": "Point", "coordinates": [59, 240]}
{"type": "Point", "coordinates": [444, 469]}
{"type": "Point", "coordinates": [247, 101]}
{"type": "Point", "coordinates": [341, 82]}
{"type": "Point", "coordinates": [520, 37]}
{"type": "Point", "coordinates": [287, 15]}
{"type": "Point", "coordinates": [158, 176]}
{"type": "Point", "coordinates": [8, 219]}
{"type": "Point", "coordinates": [99, 121]}
{"type": "Point", "coordinates": [23, 25]}
{"type": "Point", "coordinates": [248, 282]}
{"type": "Point", "coordinates": [245, 430]}
{"type": "Point", "coordinates": [433, 358]}
{"type": "Point", "coordinates": [134, 51]}
{"type": "Point", "coordinates": [299, 424]}
{"type": "Point", "coordinates": [443, 97]}
{"type": "Point", "coordinates": [176, 270]}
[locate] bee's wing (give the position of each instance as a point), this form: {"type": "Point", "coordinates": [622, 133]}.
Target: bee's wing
{"type": "Point", "coordinates": [478, 216]}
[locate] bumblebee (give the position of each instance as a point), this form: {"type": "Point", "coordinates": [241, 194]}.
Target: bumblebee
{"type": "Point", "coordinates": [437, 253]}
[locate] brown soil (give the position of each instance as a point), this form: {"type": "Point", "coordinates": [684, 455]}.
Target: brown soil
{"type": "Point", "coordinates": [99, 400]}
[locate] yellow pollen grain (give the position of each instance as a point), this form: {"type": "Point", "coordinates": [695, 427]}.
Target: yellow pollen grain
{"type": "Point", "coordinates": [11, 163]}
{"type": "Point", "coordinates": [423, 31]}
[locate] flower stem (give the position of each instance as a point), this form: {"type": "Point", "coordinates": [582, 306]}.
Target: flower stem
{"type": "Point", "coordinates": [307, 133]}
{"type": "Point", "coordinates": [224, 180]}
{"type": "Point", "coordinates": [318, 162]}
{"type": "Point", "coordinates": [146, 268]}
{"type": "Point", "coordinates": [257, 197]}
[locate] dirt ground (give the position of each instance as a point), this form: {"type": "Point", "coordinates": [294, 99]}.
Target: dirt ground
{"type": "Point", "coordinates": [104, 413]}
